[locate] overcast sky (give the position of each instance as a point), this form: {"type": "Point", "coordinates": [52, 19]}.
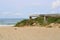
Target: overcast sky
{"type": "Point", "coordinates": [23, 8]}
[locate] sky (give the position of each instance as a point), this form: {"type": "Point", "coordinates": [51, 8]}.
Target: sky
{"type": "Point", "coordinates": [24, 8]}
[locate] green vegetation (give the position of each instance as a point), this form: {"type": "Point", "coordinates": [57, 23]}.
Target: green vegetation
{"type": "Point", "coordinates": [38, 20]}
{"type": "Point", "coordinates": [21, 23]}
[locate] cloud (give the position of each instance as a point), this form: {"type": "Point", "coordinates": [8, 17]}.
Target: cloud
{"type": "Point", "coordinates": [56, 4]}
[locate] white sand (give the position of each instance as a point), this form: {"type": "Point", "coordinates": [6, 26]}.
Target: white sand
{"type": "Point", "coordinates": [29, 33]}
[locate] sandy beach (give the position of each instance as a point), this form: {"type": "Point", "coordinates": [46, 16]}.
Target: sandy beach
{"type": "Point", "coordinates": [29, 33]}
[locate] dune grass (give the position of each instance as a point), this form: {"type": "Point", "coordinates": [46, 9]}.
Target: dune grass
{"type": "Point", "coordinates": [38, 20]}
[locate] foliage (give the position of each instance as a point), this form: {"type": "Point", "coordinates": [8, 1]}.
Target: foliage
{"type": "Point", "coordinates": [38, 20]}
{"type": "Point", "coordinates": [21, 23]}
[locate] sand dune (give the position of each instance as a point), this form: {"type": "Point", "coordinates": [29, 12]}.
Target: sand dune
{"type": "Point", "coordinates": [29, 33]}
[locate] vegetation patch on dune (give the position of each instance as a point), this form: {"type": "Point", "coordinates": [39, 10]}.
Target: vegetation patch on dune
{"type": "Point", "coordinates": [36, 21]}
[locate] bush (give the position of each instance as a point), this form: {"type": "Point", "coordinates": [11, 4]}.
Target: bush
{"type": "Point", "coordinates": [51, 20]}
{"type": "Point", "coordinates": [39, 20]}
{"type": "Point", "coordinates": [21, 23]}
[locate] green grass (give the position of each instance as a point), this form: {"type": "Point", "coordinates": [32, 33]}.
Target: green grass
{"type": "Point", "coordinates": [22, 23]}
{"type": "Point", "coordinates": [38, 20]}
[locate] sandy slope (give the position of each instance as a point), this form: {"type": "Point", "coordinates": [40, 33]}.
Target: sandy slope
{"type": "Point", "coordinates": [29, 33]}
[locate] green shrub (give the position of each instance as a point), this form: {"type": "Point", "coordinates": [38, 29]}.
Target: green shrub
{"type": "Point", "coordinates": [22, 23]}
{"type": "Point", "coordinates": [51, 20]}
{"type": "Point", "coordinates": [58, 20]}
{"type": "Point", "coordinates": [39, 20]}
